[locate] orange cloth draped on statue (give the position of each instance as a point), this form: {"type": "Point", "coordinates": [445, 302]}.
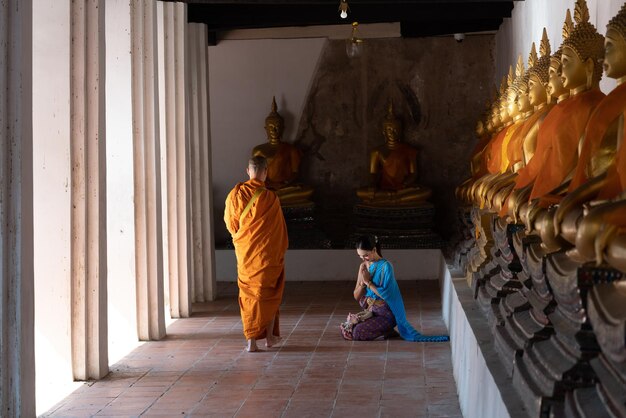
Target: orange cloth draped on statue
{"type": "Point", "coordinates": [481, 155]}
{"type": "Point", "coordinates": [610, 109]}
{"type": "Point", "coordinates": [260, 241]}
{"type": "Point", "coordinates": [285, 162]}
{"type": "Point", "coordinates": [616, 174]}
{"type": "Point", "coordinates": [478, 156]}
{"type": "Point", "coordinates": [397, 166]}
{"type": "Point", "coordinates": [552, 122]}
{"type": "Point", "coordinates": [562, 153]}
{"type": "Point", "coordinates": [509, 137]}
{"type": "Point", "coordinates": [494, 154]}
{"type": "Point", "coordinates": [515, 149]}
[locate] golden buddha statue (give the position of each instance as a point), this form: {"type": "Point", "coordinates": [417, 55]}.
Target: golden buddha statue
{"type": "Point", "coordinates": [532, 100]}
{"type": "Point", "coordinates": [283, 161]}
{"type": "Point", "coordinates": [581, 55]}
{"type": "Point", "coordinates": [518, 204]}
{"type": "Point", "coordinates": [518, 108]}
{"type": "Point", "coordinates": [393, 168]}
{"type": "Point", "coordinates": [493, 151]}
{"type": "Point", "coordinates": [601, 171]}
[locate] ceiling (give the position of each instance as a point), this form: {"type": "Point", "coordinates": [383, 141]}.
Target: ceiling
{"type": "Point", "coordinates": [417, 18]}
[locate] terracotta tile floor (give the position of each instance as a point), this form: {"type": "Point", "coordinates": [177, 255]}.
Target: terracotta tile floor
{"type": "Point", "coordinates": [200, 369]}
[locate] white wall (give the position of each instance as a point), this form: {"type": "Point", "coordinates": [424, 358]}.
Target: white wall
{"type": "Point", "coordinates": [122, 314]}
{"type": "Point", "coordinates": [526, 25]}
{"type": "Point", "coordinates": [51, 184]}
{"type": "Point", "coordinates": [316, 265]}
{"type": "Point", "coordinates": [243, 77]}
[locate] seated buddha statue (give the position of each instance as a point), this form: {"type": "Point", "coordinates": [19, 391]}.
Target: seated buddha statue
{"type": "Point", "coordinates": [475, 162]}
{"type": "Point", "coordinates": [497, 156]}
{"type": "Point", "coordinates": [601, 171]}
{"type": "Point", "coordinates": [520, 110]}
{"type": "Point", "coordinates": [393, 168]}
{"type": "Point", "coordinates": [283, 161]}
{"type": "Point", "coordinates": [492, 153]}
{"type": "Point", "coordinates": [581, 72]}
{"type": "Point", "coordinates": [532, 99]}
{"type": "Point", "coordinates": [518, 204]}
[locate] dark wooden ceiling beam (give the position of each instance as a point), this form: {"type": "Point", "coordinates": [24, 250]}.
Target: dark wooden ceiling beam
{"type": "Point", "coordinates": [230, 16]}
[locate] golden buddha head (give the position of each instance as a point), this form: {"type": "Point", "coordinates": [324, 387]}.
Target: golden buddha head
{"type": "Point", "coordinates": [274, 124]}
{"type": "Point", "coordinates": [539, 74]}
{"type": "Point", "coordinates": [555, 83]}
{"type": "Point", "coordinates": [582, 52]}
{"type": "Point", "coordinates": [480, 128]}
{"type": "Point", "coordinates": [514, 89]}
{"type": "Point", "coordinates": [392, 126]}
{"type": "Point", "coordinates": [615, 46]}
{"type": "Point", "coordinates": [505, 94]}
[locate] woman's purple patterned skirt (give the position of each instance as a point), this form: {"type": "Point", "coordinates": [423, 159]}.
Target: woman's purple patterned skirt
{"type": "Point", "coordinates": [381, 324]}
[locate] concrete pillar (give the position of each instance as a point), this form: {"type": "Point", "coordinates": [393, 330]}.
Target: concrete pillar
{"type": "Point", "coordinates": [121, 267]}
{"type": "Point", "coordinates": [203, 252]}
{"type": "Point", "coordinates": [88, 185]}
{"type": "Point", "coordinates": [146, 149]}
{"type": "Point", "coordinates": [52, 201]}
{"type": "Point", "coordinates": [17, 355]}
{"type": "Point", "coordinates": [172, 29]}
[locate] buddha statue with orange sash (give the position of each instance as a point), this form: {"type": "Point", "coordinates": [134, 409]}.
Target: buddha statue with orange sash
{"type": "Point", "coordinates": [503, 177]}
{"type": "Point", "coordinates": [493, 152]}
{"type": "Point", "coordinates": [521, 135]}
{"type": "Point", "coordinates": [393, 168]}
{"type": "Point", "coordinates": [518, 202]}
{"type": "Point", "coordinates": [476, 161]}
{"type": "Point", "coordinates": [601, 171]}
{"type": "Point", "coordinates": [522, 149]}
{"type": "Point", "coordinates": [480, 159]}
{"type": "Point", "coordinates": [581, 73]}
{"type": "Point", "coordinates": [283, 163]}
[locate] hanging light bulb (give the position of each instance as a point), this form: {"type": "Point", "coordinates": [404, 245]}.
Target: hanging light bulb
{"type": "Point", "coordinates": [354, 45]}
{"type": "Point", "coordinates": [343, 9]}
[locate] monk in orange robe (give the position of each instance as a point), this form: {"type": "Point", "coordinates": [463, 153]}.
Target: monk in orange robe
{"type": "Point", "coordinates": [254, 218]}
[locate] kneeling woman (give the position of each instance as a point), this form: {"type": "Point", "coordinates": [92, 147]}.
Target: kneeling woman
{"type": "Point", "coordinates": [379, 295]}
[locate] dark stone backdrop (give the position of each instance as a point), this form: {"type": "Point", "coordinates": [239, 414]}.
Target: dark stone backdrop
{"type": "Point", "coordinates": [439, 88]}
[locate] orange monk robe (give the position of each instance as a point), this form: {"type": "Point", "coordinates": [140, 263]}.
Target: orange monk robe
{"type": "Point", "coordinates": [607, 112]}
{"type": "Point", "coordinates": [511, 134]}
{"type": "Point", "coordinates": [478, 156]}
{"type": "Point", "coordinates": [483, 148]}
{"type": "Point", "coordinates": [516, 147]}
{"type": "Point", "coordinates": [283, 164]}
{"type": "Point", "coordinates": [515, 151]}
{"type": "Point", "coordinates": [552, 122]}
{"type": "Point", "coordinates": [260, 244]}
{"type": "Point", "coordinates": [494, 156]}
{"type": "Point", "coordinates": [562, 154]}
{"type": "Point", "coordinates": [398, 164]}
{"type": "Point", "coordinates": [616, 174]}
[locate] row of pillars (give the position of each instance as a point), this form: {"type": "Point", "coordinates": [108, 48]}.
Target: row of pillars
{"type": "Point", "coordinates": [171, 183]}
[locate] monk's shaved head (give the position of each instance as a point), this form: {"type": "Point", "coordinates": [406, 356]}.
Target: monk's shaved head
{"type": "Point", "coordinates": [257, 168]}
{"type": "Point", "coordinates": [257, 163]}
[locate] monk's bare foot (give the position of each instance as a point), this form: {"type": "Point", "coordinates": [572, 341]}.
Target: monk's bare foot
{"type": "Point", "coordinates": [252, 347]}
{"type": "Point", "coordinates": [272, 340]}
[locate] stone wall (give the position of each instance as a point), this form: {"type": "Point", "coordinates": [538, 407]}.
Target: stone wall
{"type": "Point", "coordinates": [439, 88]}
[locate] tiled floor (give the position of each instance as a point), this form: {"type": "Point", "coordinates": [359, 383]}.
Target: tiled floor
{"type": "Point", "coordinates": [200, 369]}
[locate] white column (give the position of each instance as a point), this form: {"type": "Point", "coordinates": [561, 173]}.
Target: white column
{"type": "Point", "coordinates": [173, 114]}
{"type": "Point", "coordinates": [17, 358]}
{"type": "Point", "coordinates": [121, 267]}
{"type": "Point", "coordinates": [52, 201]}
{"type": "Point", "coordinates": [203, 253]}
{"type": "Point", "coordinates": [146, 148]}
{"type": "Point", "coordinates": [88, 185]}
